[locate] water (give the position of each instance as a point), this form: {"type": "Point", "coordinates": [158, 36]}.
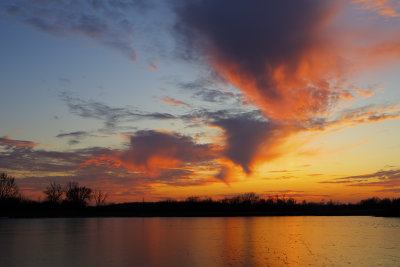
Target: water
{"type": "Point", "coordinates": [243, 241]}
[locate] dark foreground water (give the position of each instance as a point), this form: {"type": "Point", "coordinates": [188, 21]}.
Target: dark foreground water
{"type": "Point", "coordinates": [243, 241]}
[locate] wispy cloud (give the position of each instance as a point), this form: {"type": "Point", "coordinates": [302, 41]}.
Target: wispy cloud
{"type": "Point", "coordinates": [385, 8]}
{"type": "Point", "coordinates": [382, 178]}
{"type": "Point", "coordinates": [8, 142]}
{"type": "Point", "coordinates": [170, 100]}
{"type": "Point", "coordinates": [109, 115]}
{"type": "Point", "coordinates": [153, 65]}
{"type": "Point", "coordinates": [294, 194]}
{"type": "Point", "coordinates": [74, 137]}
{"type": "Point", "coordinates": [206, 89]}
{"type": "Point", "coordinates": [111, 23]}
{"type": "Point", "coordinates": [151, 159]}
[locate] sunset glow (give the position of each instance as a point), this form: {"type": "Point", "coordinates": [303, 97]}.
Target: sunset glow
{"type": "Point", "coordinates": [163, 100]}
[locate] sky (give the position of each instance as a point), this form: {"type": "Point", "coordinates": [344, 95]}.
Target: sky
{"type": "Point", "coordinates": [169, 99]}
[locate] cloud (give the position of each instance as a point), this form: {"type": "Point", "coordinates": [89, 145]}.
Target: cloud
{"type": "Point", "coordinates": [382, 178]}
{"type": "Point", "coordinates": [28, 159]}
{"type": "Point", "coordinates": [78, 134]}
{"type": "Point", "coordinates": [153, 65]}
{"type": "Point", "coordinates": [151, 152]}
{"type": "Point", "coordinates": [206, 90]}
{"type": "Point", "coordinates": [74, 137]}
{"type": "Point", "coordinates": [110, 23]}
{"type": "Point", "coordinates": [170, 100]}
{"type": "Point", "coordinates": [293, 194]}
{"type": "Point", "coordinates": [364, 93]}
{"type": "Point", "coordinates": [355, 116]}
{"type": "Point", "coordinates": [274, 52]}
{"type": "Point", "coordinates": [8, 142]}
{"type": "Point", "coordinates": [245, 138]}
{"type": "Point", "coordinates": [109, 115]}
{"type": "Point", "coordinates": [271, 52]}
{"type": "Point", "coordinates": [151, 159]}
{"type": "Point", "coordinates": [292, 60]}
{"type": "Point", "coordinates": [216, 96]}
{"type": "Point", "coordinates": [385, 8]}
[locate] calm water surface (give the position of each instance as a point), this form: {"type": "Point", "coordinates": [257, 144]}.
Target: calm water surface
{"type": "Point", "coordinates": [251, 241]}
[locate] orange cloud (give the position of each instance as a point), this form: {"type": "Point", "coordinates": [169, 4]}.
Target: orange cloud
{"type": "Point", "coordinates": [153, 152]}
{"type": "Point", "coordinates": [153, 65]}
{"type": "Point", "coordinates": [292, 63]}
{"type": "Point", "coordinates": [170, 100]}
{"type": "Point", "coordinates": [364, 93]}
{"type": "Point", "coordinates": [386, 8]}
{"type": "Point", "coordinates": [7, 141]}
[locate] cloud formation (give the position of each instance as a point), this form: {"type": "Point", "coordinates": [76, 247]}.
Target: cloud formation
{"type": "Point", "coordinates": [170, 100]}
{"type": "Point", "coordinates": [151, 158]}
{"type": "Point", "coordinates": [272, 51]}
{"type": "Point", "coordinates": [109, 22]}
{"type": "Point", "coordinates": [246, 138]}
{"type": "Point", "coordinates": [109, 115]}
{"type": "Point", "coordinates": [385, 8]}
{"type": "Point", "coordinates": [151, 152]}
{"type": "Point", "coordinates": [8, 142]}
{"type": "Point", "coordinates": [290, 59]}
{"type": "Point", "coordinates": [382, 178]}
{"type": "Point", "coordinates": [74, 137]}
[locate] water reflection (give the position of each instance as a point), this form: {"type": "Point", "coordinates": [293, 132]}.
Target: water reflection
{"type": "Point", "coordinates": [252, 241]}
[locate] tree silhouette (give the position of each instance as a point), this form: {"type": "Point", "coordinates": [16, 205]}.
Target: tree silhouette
{"type": "Point", "coordinates": [53, 192]}
{"type": "Point", "coordinates": [8, 187]}
{"type": "Point", "coordinates": [78, 195]}
{"type": "Point", "coordinates": [100, 197]}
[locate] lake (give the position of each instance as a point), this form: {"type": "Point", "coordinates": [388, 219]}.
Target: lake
{"type": "Point", "coordinates": [233, 241]}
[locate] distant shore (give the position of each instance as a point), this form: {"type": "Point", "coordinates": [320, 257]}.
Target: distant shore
{"type": "Point", "coordinates": [234, 207]}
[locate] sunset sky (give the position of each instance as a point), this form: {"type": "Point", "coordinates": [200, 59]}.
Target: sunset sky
{"type": "Point", "coordinates": [170, 99]}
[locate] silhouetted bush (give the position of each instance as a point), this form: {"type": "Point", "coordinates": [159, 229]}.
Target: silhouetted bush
{"type": "Point", "coordinates": [77, 195]}
{"type": "Point", "coordinates": [8, 187]}
{"type": "Point", "coordinates": [54, 192]}
{"type": "Point", "coordinates": [99, 197]}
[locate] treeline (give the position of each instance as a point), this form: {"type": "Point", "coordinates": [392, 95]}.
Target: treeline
{"type": "Point", "coordinates": [72, 200]}
{"type": "Point", "coordinates": [58, 198]}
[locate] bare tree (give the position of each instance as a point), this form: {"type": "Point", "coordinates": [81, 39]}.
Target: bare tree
{"type": "Point", "coordinates": [54, 192]}
{"type": "Point", "coordinates": [78, 194]}
{"type": "Point", "coordinates": [8, 187]}
{"type": "Point", "coordinates": [100, 197]}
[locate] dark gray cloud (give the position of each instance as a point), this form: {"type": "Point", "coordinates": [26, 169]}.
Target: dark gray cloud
{"type": "Point", "coordinates": [294, 194]}
{"type": "Point", "coordinates": [30, 159]}
{"type": "Point", "coordinates": [146, 145]}
{"type": "Point", "coordinates": [109, 115]}
{"type": "Point", "coordinates": [250, 34]}
{"type": "Point", "coordinates": [74, 137]}
{"type": "Point", "coordinates": [248, 44]}
{"type": "Point", "coordinates": [247, 134]}
{"type": "Point", "coordinates": [244, 136]}
{"type": "Point", "coordinates": [110, 22]}
{"type": "Point", "coordinates": [205, 89]}
{"type": "Point", "coordinates": [150, 158]}
{"type": "Point", "coordinates": [78, 134]}
{"type": "Point", "coordinates": [382, 178]}
{"type": "Point", "coordinates": [216, 96]}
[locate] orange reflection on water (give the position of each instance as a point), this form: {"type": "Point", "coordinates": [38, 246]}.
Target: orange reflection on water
{"type": "Point", "coordinates": [241, 241]}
